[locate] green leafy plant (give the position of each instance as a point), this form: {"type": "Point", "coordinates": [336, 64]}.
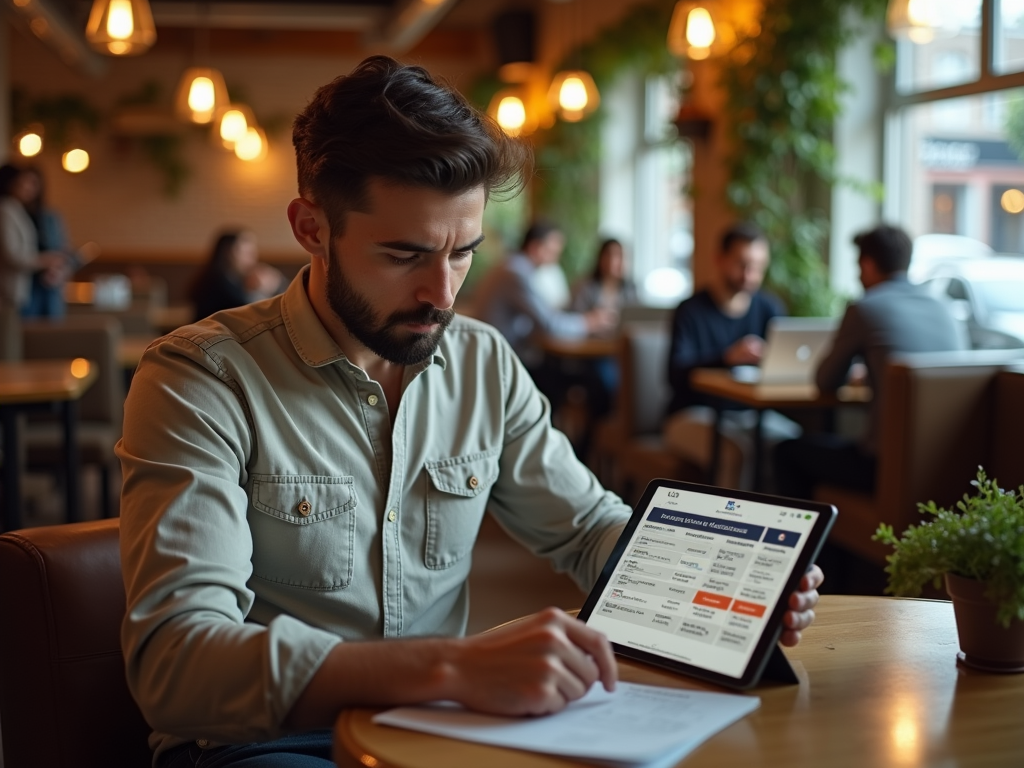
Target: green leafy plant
{"type": "Point", "coordinates": [982, 539]}
{"type": "Point", "coordinates": [783, 96]}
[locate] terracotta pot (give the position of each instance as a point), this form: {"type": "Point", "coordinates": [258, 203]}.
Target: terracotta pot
{"type": "Point", "coordinates": [984, 643]}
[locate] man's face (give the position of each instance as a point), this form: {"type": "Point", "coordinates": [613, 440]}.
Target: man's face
{"type": "Point", "coordinates": [393, 275]}
{"type": "Point", "coordinates": [743, 266]}
{"type": "Point", "coordinates": [548, 249]}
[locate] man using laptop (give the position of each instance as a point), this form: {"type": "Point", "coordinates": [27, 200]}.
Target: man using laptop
{"type": "Point", "coordinates": [894, 316]}
{"type": "Point", "coordinates": [305, 476]}
{"type": "Point", "coordinates": [723, 325]}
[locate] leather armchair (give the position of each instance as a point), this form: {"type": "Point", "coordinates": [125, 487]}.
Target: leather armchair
{"type": "Point", "coordinates": [64, 700]}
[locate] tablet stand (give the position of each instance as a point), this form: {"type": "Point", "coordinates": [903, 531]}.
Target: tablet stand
{"type": "Point", "coordinates": [778, 668]}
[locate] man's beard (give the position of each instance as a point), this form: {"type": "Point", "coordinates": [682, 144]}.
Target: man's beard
{"type": "Point", "coordinates": [385, 338]}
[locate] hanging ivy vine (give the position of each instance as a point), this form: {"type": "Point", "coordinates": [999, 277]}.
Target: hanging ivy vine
{"type": "Point", "coordinates": [782, 103]}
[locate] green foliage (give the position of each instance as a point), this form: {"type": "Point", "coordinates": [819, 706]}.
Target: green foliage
{"type": "Point", "coordinates": [783, 96]}
{"type": "Point", "coordinates": [569, 154]}
{"type": "Point", "coordinates": [1014, 122]}
{"type": "Point", "coordinates": [984, 541]}
{"type": "Point", "coordinates": [62, 117]}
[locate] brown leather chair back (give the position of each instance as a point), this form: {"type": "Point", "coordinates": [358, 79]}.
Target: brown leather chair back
{"type": "Point", "coordinates": [1006, 463]}
{"type": "Point", "coordinates": [64, 700]}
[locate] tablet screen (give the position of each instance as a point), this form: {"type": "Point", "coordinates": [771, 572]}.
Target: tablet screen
{"type": "Point", "coordinates": [701, 575]}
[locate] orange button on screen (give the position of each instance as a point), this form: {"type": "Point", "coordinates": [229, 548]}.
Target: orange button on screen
{"type": "Point", "coordinates": [748, 609]}
{"type": "Point", "coordinates": [712, 600]}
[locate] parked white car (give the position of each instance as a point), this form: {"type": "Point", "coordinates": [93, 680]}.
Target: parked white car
{"type": "Point", "coordinates": [987, 294]}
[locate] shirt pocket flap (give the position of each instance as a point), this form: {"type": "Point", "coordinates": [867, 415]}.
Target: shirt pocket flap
{"type": "Point", "coordinates": [303, 499]}
{"type": "Point", "coordinates": [468, 475]}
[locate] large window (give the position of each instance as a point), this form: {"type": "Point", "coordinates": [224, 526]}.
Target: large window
{"type": "Point", "coordinates": [955, 133]}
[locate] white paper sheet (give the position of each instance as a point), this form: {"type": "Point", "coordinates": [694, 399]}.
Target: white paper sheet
{"type": "Point", "coordinates": [636, 725]}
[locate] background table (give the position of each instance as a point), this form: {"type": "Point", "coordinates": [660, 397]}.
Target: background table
{"type": "Point", "coordinates": [719, 383]}
{"type": "Point", "coordinates": [31, 382]}
{"type": "Point", "coordinates": [879, 686]}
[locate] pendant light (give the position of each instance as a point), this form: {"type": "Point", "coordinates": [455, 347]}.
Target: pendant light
{"type": "Point", "coordinates": [921, 21]}
{"type": "Point", "coordinates": [201, 91]}
{"type": "Point", "coordinates": [698, 30]}
{"type": "Point", "coordinates": [509, 109]}
{"type": "Point", "coordinates": [231, 125]}
{"type": "Point", "coordinates": [121, 27]}
{"type": "Point", "coordinates": [252, 146]}
{"type": "Point", "coordinates": [573, 94]}
{"type": "Point", "coordinates": [30, 141]}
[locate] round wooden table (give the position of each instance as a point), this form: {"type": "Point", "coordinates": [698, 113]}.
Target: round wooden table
{"type": "Point", "coordinates": [879, 686]}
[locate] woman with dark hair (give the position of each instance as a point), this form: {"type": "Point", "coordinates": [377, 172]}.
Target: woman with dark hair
{"type": "Point", "coordinates": [20, 254]}
{"type": "Point", "coordinates": [233, 275]}
{"type": "Point", "coordinates": [608, 287]}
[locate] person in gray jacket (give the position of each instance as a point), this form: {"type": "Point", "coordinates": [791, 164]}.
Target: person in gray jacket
{"type": "Point", "coordinates": [894, 316]}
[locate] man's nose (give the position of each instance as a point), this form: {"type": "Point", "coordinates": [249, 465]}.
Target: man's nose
{"type": "Point", "coordinates": [435, 287]}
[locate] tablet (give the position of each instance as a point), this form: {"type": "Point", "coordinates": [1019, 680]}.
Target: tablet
{"type": "Point", "coordinates": [699, 580]}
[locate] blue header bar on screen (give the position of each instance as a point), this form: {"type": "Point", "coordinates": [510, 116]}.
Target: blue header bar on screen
{"type": "Point", "coordinates": [732, 528]}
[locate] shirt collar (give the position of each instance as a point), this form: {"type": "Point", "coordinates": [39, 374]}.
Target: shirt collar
{"type": "Point", "coordinates": [311, 340]}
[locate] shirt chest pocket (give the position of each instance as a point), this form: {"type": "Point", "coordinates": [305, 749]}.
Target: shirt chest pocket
{"type": "Point", "coordinates": [457, 493]}
{"type": "Point", "coordinates": [303, 530]}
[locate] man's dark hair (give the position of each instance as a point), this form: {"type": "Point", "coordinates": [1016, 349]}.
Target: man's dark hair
{"type": "Point", "coordinates": [741, 232]}
{"type": "Point", "coordinates": [539, 230]}
{"type": "Point", "coordinates": [888, 246]}
{"type": "Point", "coordinates": [396, 122]}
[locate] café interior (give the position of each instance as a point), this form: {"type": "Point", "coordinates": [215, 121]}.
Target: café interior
{"type": "Point", "coordinates": [155, 129]}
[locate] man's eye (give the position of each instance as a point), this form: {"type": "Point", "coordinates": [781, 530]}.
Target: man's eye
{"type": "Point", "coordinates": [462, 254]}
{"type": "Point", "coordinates": [404, 260]}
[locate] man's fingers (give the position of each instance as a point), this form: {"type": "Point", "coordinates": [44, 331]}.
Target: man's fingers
{"type": "Point", "coordinates": [813, 579]}
{"type": "Point", "coordinates": [596, 645]}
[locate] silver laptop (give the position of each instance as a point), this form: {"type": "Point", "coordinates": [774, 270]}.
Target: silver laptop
{"type": "Point", "coordinates": [795, 347]}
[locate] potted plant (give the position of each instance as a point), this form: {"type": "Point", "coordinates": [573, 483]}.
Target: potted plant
{"type": "Point", "coordinates": [978, 548]}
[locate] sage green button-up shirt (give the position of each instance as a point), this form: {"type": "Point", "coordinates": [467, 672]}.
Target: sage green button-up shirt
{"type": "Point", "coordinates": [273, 507]}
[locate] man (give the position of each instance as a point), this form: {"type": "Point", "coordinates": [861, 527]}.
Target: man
{"type": "Point", "coordinates": [723, 325]}
{"type": "Point", "coordinates": [305, 476]}
{"type": "Point", "coordinates": [511, 300]}
{"type": "Point", "coordinates": [893, 317]}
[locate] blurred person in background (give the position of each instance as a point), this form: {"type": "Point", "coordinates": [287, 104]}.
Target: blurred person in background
{"type": "Point", "coordinates": [233, 275]}
{"type": "Point", "coordinates": [20, 253]}
{"type": "Point", "coordinates": [723, 326]}
{"type": "Point", "coordinates": [608, 286]}
{"type": "Point", "coordinates": [895, 316]}
{"type": "Point", "coordinates": [46, 295]}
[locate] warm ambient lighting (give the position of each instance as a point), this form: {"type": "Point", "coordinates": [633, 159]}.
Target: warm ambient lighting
{"type": "Point", "coordinates": [1012, 201]}
{"type": "Point", "coordinates": [922, 21]}
{"type": "Point", "coordinates": [75, 161]}
{"type": "Point", "coordinates": [79, 367]}
{"type": "Point", "coordinates": [573, 95]}
{"type": "Point", "coordinates": [701, 29]}
{"type": "Point", "coordinates": [30, 144]}
{"type": "Point", "coordinates": [252, 146]}
{"type": "Point", "coordinates": [510, 109]}
{"type": "Point", "coordinates": [201, 93]}
{"type": "Point", "coordinates": [121, 27]}
{"type": "Point", "coordinates": [232, 126]}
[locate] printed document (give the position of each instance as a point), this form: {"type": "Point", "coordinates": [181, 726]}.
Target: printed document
{"type": "Point", "coordinates": [636, 725]}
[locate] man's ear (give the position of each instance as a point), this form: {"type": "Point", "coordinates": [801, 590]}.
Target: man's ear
{"type": "Point", "coordinates": [309, 226]}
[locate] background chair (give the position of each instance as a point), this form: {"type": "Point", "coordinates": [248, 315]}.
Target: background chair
{"type": "Point", "coordinates": [101, 409]}
{"type": "Point", "coordinates": [64, 700]}
{"type": "Point", "coordinates": [628, 449]}
{"type": "Point", "coordinates": [944, 415]}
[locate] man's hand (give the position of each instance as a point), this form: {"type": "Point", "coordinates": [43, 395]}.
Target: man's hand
{"type": "Point", "coordinates": [746, 351]}
{"type": "Point", "coordinates": [601, 320]}
{"type": "Point", "coordinates": [801, 606]}
{"type": "Point", "coordinates": [531, 667]}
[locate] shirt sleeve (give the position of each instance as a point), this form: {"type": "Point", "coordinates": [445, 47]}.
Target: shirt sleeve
{"type": "Point", "coordinates": [194, 665]}
{"type": "Point", "coordinates": [847, 345]}
{"type": "Point", "coordinates": [685, 350]}
{"type": "Point", "coordinates": [544, 496]}
{"type": "Point", "coordinates": [524, 298]}
{"type": "Point", "coordinates": [15, 250]}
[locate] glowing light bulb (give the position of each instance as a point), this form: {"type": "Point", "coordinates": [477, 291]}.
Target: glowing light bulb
{"type": "Point", "coordinates": [30, 145]}
{"type": "Point", "coordinates": [511, 114]}
{"type": "Point", "coordinates": [79, 367]}
{"type": "Point", "coordinates": [1012, 201]}
{"type": "Point", "coordinates": [700, 29]}
{"type": "Point", "coordinates": [572, 96]}
{"type": "Point", "coordinates": [233, 126]}
{"type": "Point", "coordinates": [120, 21]}
{"type": "Point", "coordinates": [250, 146]}
{"type": "Point", "coordinates": [75, 161]}
{"type": "Point", "coordinates": [201, 96]}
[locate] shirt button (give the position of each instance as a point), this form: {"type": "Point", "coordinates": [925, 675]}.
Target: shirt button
{"type": "Point", "coordinates": [202, 743]}
{"type": "Point", "coordinates": [372, 399]}
{"type": "Point", "coordinates": [473, 482]}
{"type": "Point", "coordinates": [305, 507]}
{"type": "Point", "coordinates": [392, 515]}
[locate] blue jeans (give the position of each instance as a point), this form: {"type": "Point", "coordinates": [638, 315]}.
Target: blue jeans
{"type": "Point", "coordinates": [303, 750]}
